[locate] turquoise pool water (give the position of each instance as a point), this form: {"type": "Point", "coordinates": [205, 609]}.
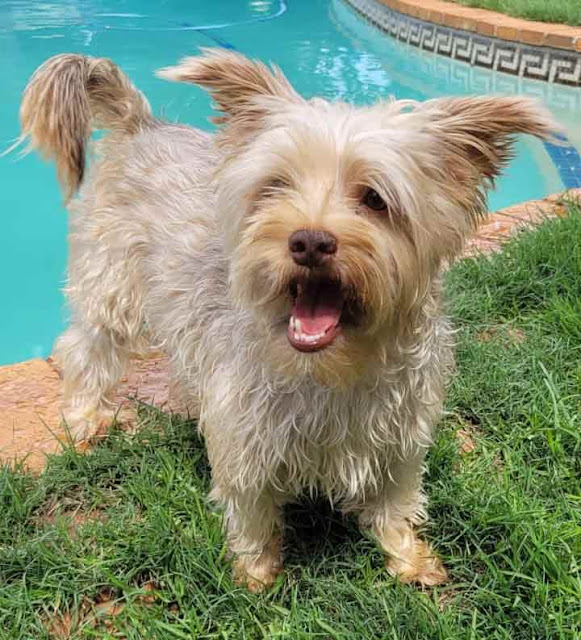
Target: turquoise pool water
{"type": "Point", "coordinates": [323, 47]}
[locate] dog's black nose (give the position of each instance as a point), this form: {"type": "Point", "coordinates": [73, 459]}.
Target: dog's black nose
{"type": "Point", "coordinates": [312, 247]}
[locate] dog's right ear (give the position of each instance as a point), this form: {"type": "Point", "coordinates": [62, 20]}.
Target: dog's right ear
{"type": "Point", "coordinates": [242, 89]}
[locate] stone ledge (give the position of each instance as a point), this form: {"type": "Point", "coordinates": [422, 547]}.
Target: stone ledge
{"type": "Point", "coordinates": [491, 23]}
{"type": "Point", "coordinates": [503, 224]}
{"type": "Point", "coordinates": [31, 399]}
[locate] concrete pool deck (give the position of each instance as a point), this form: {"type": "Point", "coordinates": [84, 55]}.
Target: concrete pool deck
{"type": "Point", "coordinates": [31, 392]}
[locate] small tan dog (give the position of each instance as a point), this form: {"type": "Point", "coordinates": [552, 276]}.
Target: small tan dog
{"type": "Point", "coordinates": [289, 266]}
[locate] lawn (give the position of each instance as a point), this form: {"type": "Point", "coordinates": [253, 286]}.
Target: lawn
{"type": "Point", "coordinates": [126, 530]}
{"type": "Point", "coordinates": [565, 11]}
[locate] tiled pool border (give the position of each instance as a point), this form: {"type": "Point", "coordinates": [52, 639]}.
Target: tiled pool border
{"type": "Point", "coordinates": [545, 63]}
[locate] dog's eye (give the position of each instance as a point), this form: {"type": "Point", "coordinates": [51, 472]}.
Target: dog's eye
{"type": "Point", "coordinates": [373, 200]}
{"type": "Point", "coordinates": [274, 186]}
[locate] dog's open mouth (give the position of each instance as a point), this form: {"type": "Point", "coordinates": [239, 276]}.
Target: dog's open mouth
{"type": "Point", "coordinates": [315, 319]}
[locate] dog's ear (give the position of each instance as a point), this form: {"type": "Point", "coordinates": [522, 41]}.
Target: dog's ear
{"type": "Point", "coordinates": [241, 88]}
{"type": "Point", "coordinates": [476, 134]}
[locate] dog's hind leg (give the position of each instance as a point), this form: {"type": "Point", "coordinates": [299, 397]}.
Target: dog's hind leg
{"type": "Point", "coordinates": [66, 98]}
{"type": "Point", "coordinates": [392, 514]}
{"type": "Point", "coordinates": [92, 359]}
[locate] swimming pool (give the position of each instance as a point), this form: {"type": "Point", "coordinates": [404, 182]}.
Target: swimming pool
{"type": "Point", "coordinates": [322, 45]}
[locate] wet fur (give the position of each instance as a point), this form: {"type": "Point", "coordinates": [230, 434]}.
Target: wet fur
{"type": "Point", "coordinates": [178, 239]}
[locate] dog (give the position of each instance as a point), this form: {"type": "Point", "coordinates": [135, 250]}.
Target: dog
{"type": "Point", "coordinates": [289, 265]}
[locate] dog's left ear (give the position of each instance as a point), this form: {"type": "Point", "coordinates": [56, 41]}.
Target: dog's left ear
{"type": "Point", "coordinates": [475, 135]}
{"type": "Point", "coordinates": [242, 89]}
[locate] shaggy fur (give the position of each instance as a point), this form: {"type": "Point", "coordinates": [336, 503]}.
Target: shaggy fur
{"type": "Point", "coordinates": [180, 239]}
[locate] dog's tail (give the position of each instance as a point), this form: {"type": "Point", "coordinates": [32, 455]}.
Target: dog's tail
{"type": "Point", "coordinates": [67, 97]}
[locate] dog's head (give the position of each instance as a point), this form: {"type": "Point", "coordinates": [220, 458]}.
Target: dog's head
{"type": "Point", "coordinates": [336, 218]}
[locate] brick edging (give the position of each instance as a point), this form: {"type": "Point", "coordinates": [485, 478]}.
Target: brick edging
{"type": "Point", "coordinates": [498, 226]}
{"type": "Point", "coordinates": [464, 38]}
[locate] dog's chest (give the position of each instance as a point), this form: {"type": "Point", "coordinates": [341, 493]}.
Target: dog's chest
{"type": "Point", "coordinates": [341, 443]}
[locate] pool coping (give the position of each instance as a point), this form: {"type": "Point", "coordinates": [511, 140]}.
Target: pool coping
{"type": "Point", "coordinates": [491, 23]}
{"type": "Point", "coordinates": [31, 398]}
{"type": "Point", "coordinates": [540, 51]}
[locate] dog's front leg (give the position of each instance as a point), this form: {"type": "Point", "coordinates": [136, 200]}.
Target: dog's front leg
{"type": "Point", "coordinates": [254, 535]}
{"type": "Point", "coordinates": [391, 515]}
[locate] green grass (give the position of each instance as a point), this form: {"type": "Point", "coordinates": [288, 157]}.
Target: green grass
{"type": "Point", "coordinates": [565, 11]}
{"type": "Point", "coordinates": [506, 517]}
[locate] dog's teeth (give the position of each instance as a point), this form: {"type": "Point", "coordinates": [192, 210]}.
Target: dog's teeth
{"type": "Point", "coordinates": [299, 336]}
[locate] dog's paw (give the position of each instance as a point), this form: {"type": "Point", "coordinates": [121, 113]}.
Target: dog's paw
{"type": "Point", "coordinates": [257, 581]}
{"type": "Point", "coordinates": [421, 566]}
{"type": "Point", "coordinates": [258, 573]}
{"type": "Point", "coordinates": [85, 425]}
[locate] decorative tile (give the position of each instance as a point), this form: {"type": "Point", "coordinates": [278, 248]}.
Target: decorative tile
{"type": "Point", "coordinates": [568, 161]}
{"type": "Point", "coordinates": [522, 60]}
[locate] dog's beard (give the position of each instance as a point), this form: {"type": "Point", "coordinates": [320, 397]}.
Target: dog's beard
{"type": "Point", "coordinates": [311, 324]}
{"type": "Point", "coordinates": [312, 307]}
{"type": "Point", "coordinates": [321, 312]}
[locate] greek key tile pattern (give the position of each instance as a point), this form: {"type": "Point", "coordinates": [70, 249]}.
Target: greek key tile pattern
{"type": "Point", "coordinates": [521, 60]}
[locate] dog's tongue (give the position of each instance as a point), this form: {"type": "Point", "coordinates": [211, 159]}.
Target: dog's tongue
{"type": "Point", "coordinates": [315, 316]}
{"type": "Point", "coordinates": [317, 309]}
